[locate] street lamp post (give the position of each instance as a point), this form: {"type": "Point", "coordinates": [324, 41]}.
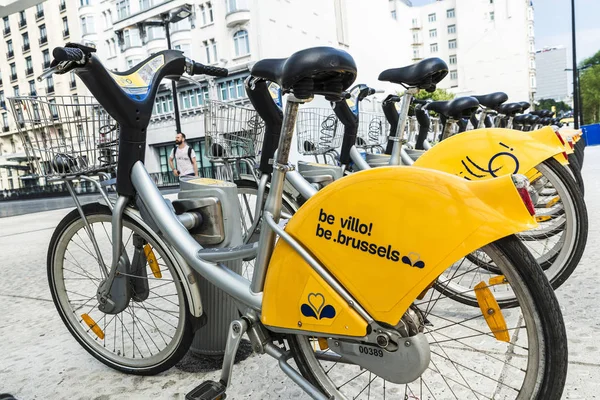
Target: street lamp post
{"type": "Point", "coordinates": [172, 17]}
{"type": "Point", "coordinates": [575, 93]}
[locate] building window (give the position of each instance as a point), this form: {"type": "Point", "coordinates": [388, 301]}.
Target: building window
{"type": "Point", "coordinates": [185, 48]}
{"type": "Point", "coordinates": [87, 25]}
{"type": "Point", "coordinates": [163, 104]}
{"type": "Point", "coordinates": [452, 59]}
{"type": "Point", "coordinates": [209, 12]}
{"type": "Point", "coordinates": [415, 22]}
{"type": "Point", "coordinates": [145, 4]}
{"type": "Point", "coordinates": [155, 32]}
{"type": "Point", "coordinates": [453, 75]}
{"type": "Point", "coordinates": [533, 82]}
{"type": "Point", "coordinates": [236, 5]}
{"type": "Point", "coordinates": [531, 32]}
{"type": "Point", "coordinates": [241, 43]}
{"type": "Point", "coordinates": [393, 12]}
{"type": "Point", "coordinates": [5, 121]}
{"type": "Point", "coordinates": [433, 48]}
{"type": "Point", "coordinates": [531, 63]}
{"type": "Point", "coordinates": [22, 19]}
{"type": "Point", "coordinates": [122, 9]}
{"type": "Point", "coordinates": [433, 33]}
{"type": "Point", "coordinates": [492, 16]}
{"type": "Point", "coordinates": [416, 53]}
{"type": "Point", "coordinates": [452, 44]}
{"type": "Point", "coordinates": [210, 47]}
{"type": "Point", "coordinates": [450, 13]}
{"type": "Point", "coordinates": [131, 37]}
{"type": "Point", "coordinates": [65, 26]}
{"type": "Point", "coordinates": [16, 91]}
{"type": "Point", "coordinates": [232, 89]}
{"type": "Point", "coordinates": [32, 87]}
{"type": "Point", "coordinates": [6, 25]}
{"type": "Point", "coordinates": [9, 47]}
{"type": "Point", "coordinates": [431, 17]}
{"type": "Point", "coordinates": [184, 24]}
{"type": "Point", "coordinates": [43, 32]}
{"type": "Point", "coordinates": [29, 65]}
{"type": "Point", "coordinates": [83, 3]}
{"type": "Point", "coordinates": [25, 41]}
{"type": "Point", "coordinates": [13, 72]}
{"type": "Point", "coordinates": [50, 84]}
{"type": "Point", "coordinates": [451, 28]}
{"type": "Point", "coordinates": [132, 61]}
{"type": "Point", "coordinates": [46, 58]}
{"type": "Point", "coordinates": [416, 37]}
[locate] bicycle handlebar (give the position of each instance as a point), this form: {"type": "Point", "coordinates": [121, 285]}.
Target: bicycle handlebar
{"type": "Point", "coordinates": [61, 54]}
{"type": "Point", "coordinates": [198, 69]}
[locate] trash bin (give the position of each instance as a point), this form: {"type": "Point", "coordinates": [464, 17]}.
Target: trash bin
{"type": "Point", "coordinates": [220, 309]}
{"type": "Point", "coordinates": [591, 134]}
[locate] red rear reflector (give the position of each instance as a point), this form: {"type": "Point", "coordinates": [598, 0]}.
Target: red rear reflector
{"type": "Point", "coordinates": [565, 155]}
{"type": "Point", "coordinates": [562, 141]}
{"type": "Point", "coordinates": [522, 185]}
{"type": "Point", "coordinates": [527, 200]}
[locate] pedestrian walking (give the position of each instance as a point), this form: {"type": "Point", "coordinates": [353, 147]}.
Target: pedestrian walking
{"type": "Point", "coordinates": [185, 164]}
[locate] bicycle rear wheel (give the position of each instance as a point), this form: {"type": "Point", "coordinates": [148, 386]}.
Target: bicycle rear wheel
{"type": "Point", "coordinates": [467, 362]}
{"type": "Point", "coordinates": [153, 333]}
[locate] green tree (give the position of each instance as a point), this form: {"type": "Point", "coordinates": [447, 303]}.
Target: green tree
{"type": "Point", "coordinates": [590, 89]}
{"type": "Point", "coordinates": [547, 104]}
{"type": "Point", "coordinates": [439, 94]}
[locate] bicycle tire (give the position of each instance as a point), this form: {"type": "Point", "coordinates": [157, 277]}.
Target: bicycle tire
{"type": "Point", "coordinates": [542, 313]}
{"type": "Point", "coordinates": [580, 151]}
{"type": "Point", "coordinates": [152, 364]}
{"type": "Point", "coordinates": [575, 170]}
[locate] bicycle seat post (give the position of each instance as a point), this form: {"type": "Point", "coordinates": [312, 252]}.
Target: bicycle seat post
{"type": "Point", "coordinates": [406, 100]}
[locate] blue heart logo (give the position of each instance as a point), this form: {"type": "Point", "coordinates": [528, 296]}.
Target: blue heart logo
{"type": "Point", "coordinates": [316, 307]}
{"type": "Point", "coordinates": [414, 260]}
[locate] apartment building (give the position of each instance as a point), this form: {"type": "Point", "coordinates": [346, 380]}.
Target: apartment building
{"type": "Point", "coordinates": [551, 65]}
{"type": "Point", "coordinates": [228, 33]}
{"type": "Point", "coordinates": [25, 51]}
{"type": "Point", "coordinates": [489, 45]}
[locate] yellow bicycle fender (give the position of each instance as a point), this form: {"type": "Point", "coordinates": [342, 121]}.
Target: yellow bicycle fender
{"type": "Point", "coordinates": [575, 134]}
{"type": "Point", "coordinates": [385, 234]}
{"type": "Point", "coordinates": [488, 153]}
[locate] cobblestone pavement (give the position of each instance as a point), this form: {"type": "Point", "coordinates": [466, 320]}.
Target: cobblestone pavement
{"type": "Point", "coordinates": [39, 359]}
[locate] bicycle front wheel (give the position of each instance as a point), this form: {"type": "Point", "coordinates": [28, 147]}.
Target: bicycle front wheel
{"type": "Point", "coordinates": [155, 331]}
{"type": "Point", "coordinates": [467, 361]}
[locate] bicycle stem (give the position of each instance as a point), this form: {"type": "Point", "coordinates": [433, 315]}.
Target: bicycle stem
{"type": "Point", "coordinates": [406, 100]}
{"type": "Point", "coordinates": [274, 198]}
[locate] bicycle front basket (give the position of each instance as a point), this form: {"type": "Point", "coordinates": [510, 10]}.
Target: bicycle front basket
{"type": "Point", "coordinates": [66, 135]}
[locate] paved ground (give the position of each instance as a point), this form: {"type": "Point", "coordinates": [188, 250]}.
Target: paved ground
{"type": "Point", "coordinates": [40, 360]}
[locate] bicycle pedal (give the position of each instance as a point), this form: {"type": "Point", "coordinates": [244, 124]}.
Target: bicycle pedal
{"type": "Point", "coordinates": [208, 390]}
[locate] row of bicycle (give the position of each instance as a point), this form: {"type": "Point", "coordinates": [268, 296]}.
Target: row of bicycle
{"type": "Point", "coordinates": [430, 277]}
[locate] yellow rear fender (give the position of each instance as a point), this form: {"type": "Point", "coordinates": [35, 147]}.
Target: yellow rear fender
{"type": "Point", "coordinates": [488, 153]}
{"type": "Point", "coordinates": [385, 234]}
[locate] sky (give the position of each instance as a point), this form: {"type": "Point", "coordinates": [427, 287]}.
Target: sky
{"type": "Point", "coordinates": [553, 25]}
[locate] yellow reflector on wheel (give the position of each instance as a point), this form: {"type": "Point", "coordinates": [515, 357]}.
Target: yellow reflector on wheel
{"type": "Point", "coordinates": [151, 258]}
{"type": "Point", "coordinates": [93, 326]}
{"type": "Point", "coordinates": [491, 312]}
{"type": "Point", "coordinates": [497, 280]}
{"type": "Point", "coordinates": [542, 218]}
{"type": "Point", "coordinates": [552, 202]}
{"type": "Point", "coordinates": [323, 343]}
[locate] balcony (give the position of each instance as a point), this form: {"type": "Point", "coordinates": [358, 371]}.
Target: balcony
{"type": "Point", "coordinates": [62, 6]}
{"type": "Point", "coordinates": [0, 82]}
{"type": "Point", "coordinates": [39, 15]}
{"type": "Point", "coordinates": [10, 55]}
{"type": "Point", "coordinates": [66, 33]}
{"type": "Point", "coordinates": [2, 104]}
{"type": "Point", "coordinates": [46, 64]}
{"type": "Point", "coordinates": [13, 77]}
{"type": "Point", "coordinates": [33, 93]}
{"type": "Point", "coordinates": [26, 47]}
{"type": "Point", "coordinates": [50, 89]}
{"type": "Point", "coordinates": [6, 31]}
{"type": "Point", "coordinates": [237, 15]}
{"type": "Point", "coordinates": [415, 27]}
{"type": "Point", "coordinates": [29, 71]}
{"type": "Point", "coordinates": [73, 84]}
{"type": "Point", "coordinates": [22, 23]}
{"type": "Point", "coordinates": [43, 40]}
{"type": "Point", "coordinates": [5, 129]}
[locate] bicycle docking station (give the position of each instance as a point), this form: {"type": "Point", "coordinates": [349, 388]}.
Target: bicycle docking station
{"type": "Point", "coordinates": [210, 197]}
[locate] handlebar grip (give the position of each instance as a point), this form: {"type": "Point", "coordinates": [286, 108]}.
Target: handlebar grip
{"type": "Point", "coordinates": [67, 54]}
{"type": "Point", "coordinates": [208, 70]}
